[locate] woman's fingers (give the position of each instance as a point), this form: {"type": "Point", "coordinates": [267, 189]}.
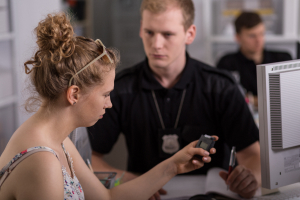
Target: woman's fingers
{"type": "Point", "coordinates": [197, 163]}
{"type": "Point", "coordinates": [206, 159]}
{"type": "Point", "coordinates": [216, 137]}
{"type": "Point", "coordinates": [191, 158]}
{"type": "Point", "coordinates": [213, 150]}
{"type": "Point", "coordinates": [199, 151]}
{"type": "Point", "coordinates": [201, 155]}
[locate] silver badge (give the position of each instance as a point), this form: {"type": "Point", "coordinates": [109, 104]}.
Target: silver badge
{"type": "Point", "coordinates": [170, 143]}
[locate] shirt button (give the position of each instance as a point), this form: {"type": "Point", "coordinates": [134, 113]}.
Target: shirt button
{"type": "Point", "coordinates": [168, 99]}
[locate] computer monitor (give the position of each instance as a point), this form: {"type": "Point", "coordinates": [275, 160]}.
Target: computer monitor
{"type": "Point", "coordinates": [278, 86]}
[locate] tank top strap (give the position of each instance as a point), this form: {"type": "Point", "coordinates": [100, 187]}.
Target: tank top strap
{"type": "Point", "coordinates": [69, 159]}
{"type": "Point", "coordinates": [7, 169]}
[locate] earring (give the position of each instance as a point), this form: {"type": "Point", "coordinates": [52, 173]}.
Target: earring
{"type": "Point", "coordinates": [74, 103]}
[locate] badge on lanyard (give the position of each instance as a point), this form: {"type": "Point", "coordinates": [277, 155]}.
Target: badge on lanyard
{"type": "Point", "coordinates": [169, 139]}
{"type": "Point", "coordinates": [170, 143]}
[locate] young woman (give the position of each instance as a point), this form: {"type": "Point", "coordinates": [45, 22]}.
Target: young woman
{"type": "Point", "coordinates": [73, 77]}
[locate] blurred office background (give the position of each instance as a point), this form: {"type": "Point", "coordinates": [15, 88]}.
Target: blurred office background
{"type": "Point", "coordinates": [116, 23]}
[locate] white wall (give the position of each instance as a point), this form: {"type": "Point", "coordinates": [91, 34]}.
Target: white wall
{"type": "Point", "coordinates": [200, 49]}
{"type": "Point", "coordinates": [26, 15]}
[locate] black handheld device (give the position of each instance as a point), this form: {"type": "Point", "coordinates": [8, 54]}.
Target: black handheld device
{"type": "Point", "coordinates": [205, 142]}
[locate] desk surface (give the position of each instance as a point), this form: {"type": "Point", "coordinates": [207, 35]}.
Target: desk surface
{"type": "Point", "coordinates": [184, 186]}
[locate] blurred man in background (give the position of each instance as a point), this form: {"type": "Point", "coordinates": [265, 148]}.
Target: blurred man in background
{"type": "Point", "coordinates": [250, 35]}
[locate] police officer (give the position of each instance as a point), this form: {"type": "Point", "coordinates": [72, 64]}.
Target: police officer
{"type": "Point", "coordinates": [170, 99]}
{"type": "Point", "coordinates": [250, 35]}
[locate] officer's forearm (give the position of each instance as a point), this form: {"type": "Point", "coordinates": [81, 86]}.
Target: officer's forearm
{"type": "Point", "coordinates": [99, 164]}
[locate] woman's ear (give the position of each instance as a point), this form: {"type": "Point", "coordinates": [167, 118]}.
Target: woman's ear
{"type": "Point", "coordinates": [73, 94]}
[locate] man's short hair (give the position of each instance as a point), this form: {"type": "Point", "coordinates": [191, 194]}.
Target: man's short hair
{"type": "Point", "coordinates": [159, 6]}
{"type": "Point", "coordinates": [246, 20]}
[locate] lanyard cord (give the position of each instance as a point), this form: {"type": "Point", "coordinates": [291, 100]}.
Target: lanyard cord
{"type": "Point", "coordinates": [158, 110]}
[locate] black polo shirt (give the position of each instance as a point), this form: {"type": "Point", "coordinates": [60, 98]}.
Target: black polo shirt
{"type": "Point", "coordinates": [247, 68]}
{"type": "Point", "coordinates": [213, 105]}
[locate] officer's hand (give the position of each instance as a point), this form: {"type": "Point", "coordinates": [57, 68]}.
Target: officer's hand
{"type": "Point", "coordinates": [241, 180]}
{"type": "Point", "coordinates": [185, 160]}
{"type": "Point", "coordinates": [156, 196]}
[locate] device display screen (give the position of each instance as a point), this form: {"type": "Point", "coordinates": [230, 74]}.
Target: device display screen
{"type": "Point", "coordinates": [203, 145]}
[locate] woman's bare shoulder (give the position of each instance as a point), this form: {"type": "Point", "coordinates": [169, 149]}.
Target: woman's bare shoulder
{"type": "Point", "coordinates": [39, 176]}
{"type": "Point", "coordinates": [19, 142]}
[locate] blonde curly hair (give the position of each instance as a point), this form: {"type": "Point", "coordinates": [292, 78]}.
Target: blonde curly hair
{"type": "Point", "coordinates": [60, 56]}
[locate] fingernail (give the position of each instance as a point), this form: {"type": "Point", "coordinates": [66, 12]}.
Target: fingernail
{"type": "Point", "coordinates": [204, 158]}
{"type": "Point", "coordinates": [206, 153]}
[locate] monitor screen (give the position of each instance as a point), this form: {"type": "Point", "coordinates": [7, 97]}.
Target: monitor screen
{"type": "Point", "coordinates": [278, 86]}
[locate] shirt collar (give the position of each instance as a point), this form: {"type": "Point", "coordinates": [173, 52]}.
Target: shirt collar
{"type": "Point", "coordinates": [242, 57]}
{"type": "Point", "coordinates": [148, 80]}
{"type": "Point", "coordinates": [266, 56]}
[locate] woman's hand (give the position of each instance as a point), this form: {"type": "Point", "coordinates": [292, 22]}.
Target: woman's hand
{"type": "Point", "coordinates": [185, 160]}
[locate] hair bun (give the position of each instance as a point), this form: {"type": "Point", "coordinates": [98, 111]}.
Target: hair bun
{"type": "Point", "coordinates": [55, 37]}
